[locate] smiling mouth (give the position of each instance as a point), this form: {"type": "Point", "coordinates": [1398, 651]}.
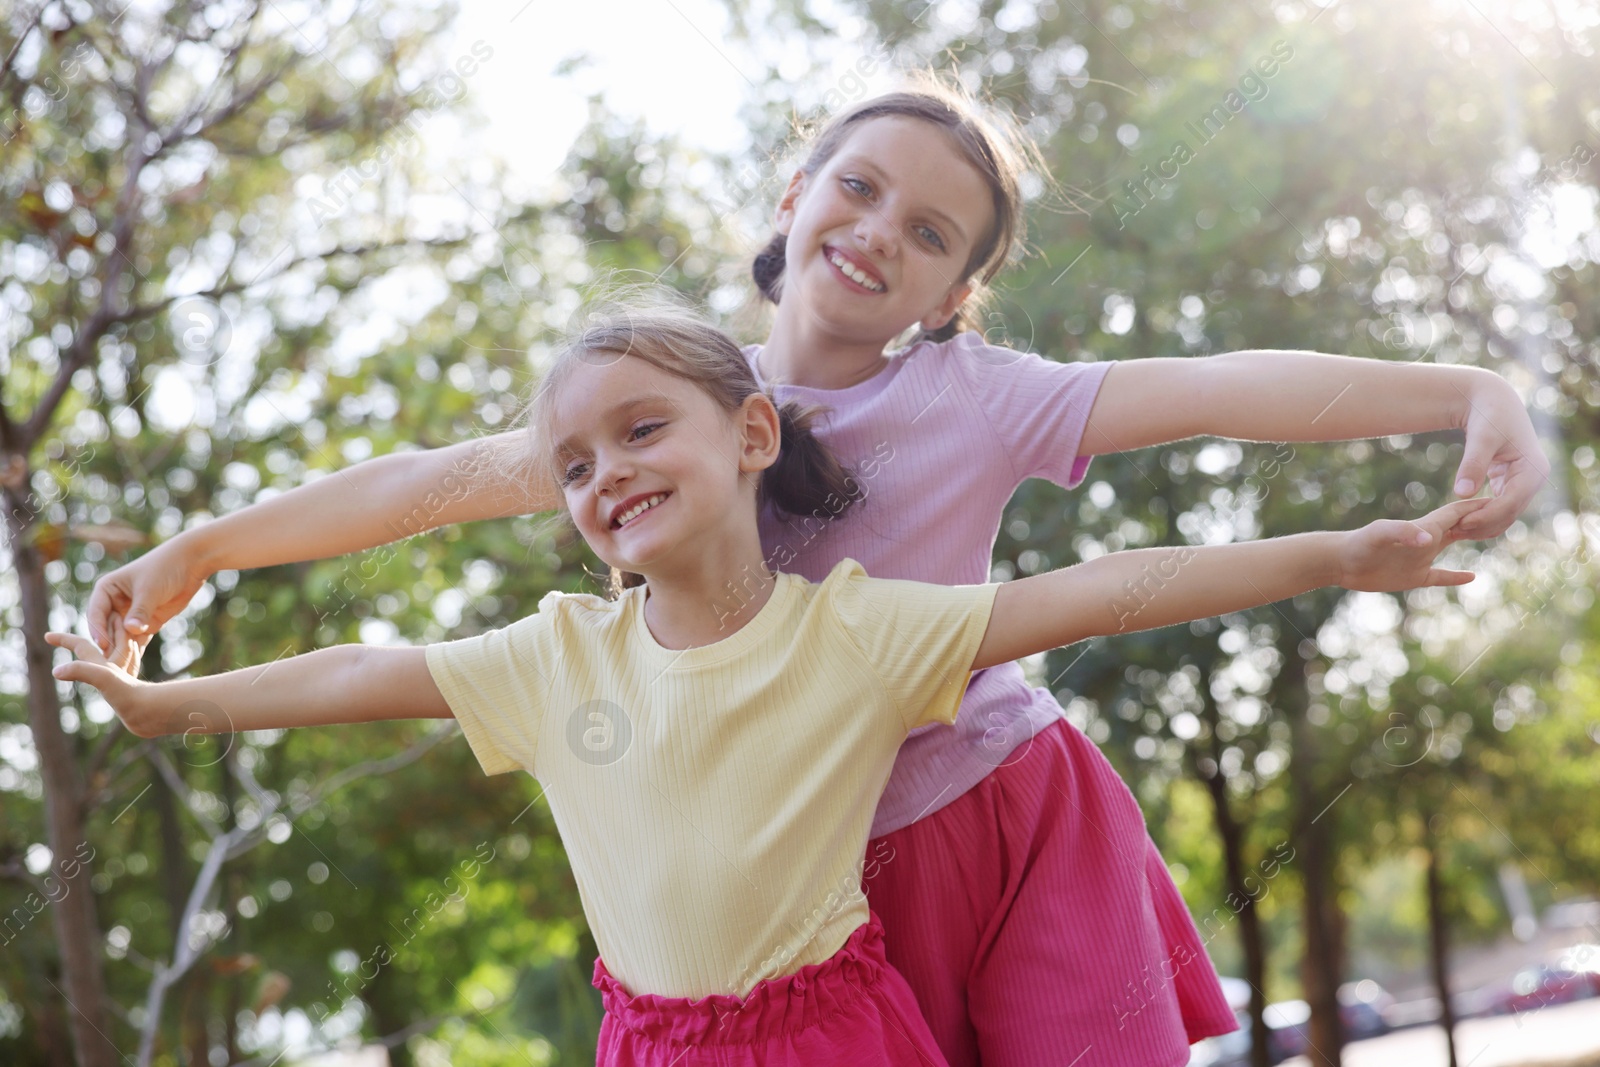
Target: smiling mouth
{"type": "Point", "coordinates": [854, 273]}
{"type": "Point", "coordinates": [638, 509]}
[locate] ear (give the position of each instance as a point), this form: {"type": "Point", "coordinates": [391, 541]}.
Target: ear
{"type": "Point", "coordinates": [783, 218]}
{"type": "Point", "coordinates": [947, 308]}
{"type": "Point", "coordinates": [759, 432]}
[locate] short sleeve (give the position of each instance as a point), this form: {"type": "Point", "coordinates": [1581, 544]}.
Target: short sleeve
{"type": "Point", "coordinates": [919, 639]}
{"type": "Point", "coordinates": [497, 687]}
{"type": "Point", "coordinates": [1036, 406]}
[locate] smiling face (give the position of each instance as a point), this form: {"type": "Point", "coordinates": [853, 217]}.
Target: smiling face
{"type": "Point", "coordinates": [880, 236]}
{"type": "Point", "coordinates": [653, 470]}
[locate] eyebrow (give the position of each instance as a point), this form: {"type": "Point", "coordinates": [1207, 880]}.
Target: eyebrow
{"type": "Point", "coordinates": [866, 164]}
{"type": "Point", "coordinates": [621, 407]}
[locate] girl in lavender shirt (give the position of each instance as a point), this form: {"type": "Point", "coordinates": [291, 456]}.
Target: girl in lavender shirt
{"type": "Point", "coordinates": [1019, 891]}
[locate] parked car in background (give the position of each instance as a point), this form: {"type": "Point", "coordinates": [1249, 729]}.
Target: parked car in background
{"type": "Point", "coordinates": [1288, 1028]}
{"type": "Point", "coordinates": [1546, 984]}
{"type": "Point", "coordinates": [1228, 1050]}
{"type": "Point", "coordinates": [1361, 1011]}
{"type": "Point", "coordinates": [1583, 959]}
{"type": "Point", "coordinates": [1362, 1008]}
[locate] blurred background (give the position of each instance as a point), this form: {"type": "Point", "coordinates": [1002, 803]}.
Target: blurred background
{"type": "Point", "coordinates": [243, 245]}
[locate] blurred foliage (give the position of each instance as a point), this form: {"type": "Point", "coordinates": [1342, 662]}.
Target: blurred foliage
{"type": "Point", "coordinates": [1373, 200]}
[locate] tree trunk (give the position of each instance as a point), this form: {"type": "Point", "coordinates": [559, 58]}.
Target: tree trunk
{"type": "Point", "coordinates": [230, 896]}
{"type": "Point", "coordinates": [1232, 835]}
{"type": "Point", "coordinates": [1317, 975]}
{"type": "Point", "coordinates": [1319, 970]}
{"type": "Point", "coordinates": [77, 930]}
{"type": "Point", "coordinates": [1438, 946]}
{"type": "Point", "coordinates": [54, 1037]}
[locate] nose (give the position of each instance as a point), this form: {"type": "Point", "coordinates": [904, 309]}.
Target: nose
{"type": "Point", "coordinates": [612, 470]}
{"type": "Point", "coordinates": [877, 233]}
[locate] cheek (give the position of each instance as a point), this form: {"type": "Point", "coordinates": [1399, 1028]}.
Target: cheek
{"type": "Point", "coordinates": [580, 511]}
{"type": "Point", "coordinates": [825, 206]}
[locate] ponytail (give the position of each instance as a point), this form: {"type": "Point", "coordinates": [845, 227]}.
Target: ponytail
{"type": "Point", "coordinates": [806, 478]}
{"type": "Point", "coordinates": [768, 267]}
{"type": "Point", "coordinates": [620, 581]}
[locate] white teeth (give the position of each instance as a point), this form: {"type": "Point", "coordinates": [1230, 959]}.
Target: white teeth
{"type": "Point", "coordinates": [860, 277]}
{"type": "Point", "coordinates": [639, 509]}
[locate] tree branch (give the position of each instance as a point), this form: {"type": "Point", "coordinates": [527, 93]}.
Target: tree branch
{"type": "Point", "coordinates": [375, 767]}
{"type": "Point", "coordinates": [28, 26]}
{"type": "Point", "coordinates": [399, 1037]}
{"type": "Point", "coordinates": [234, 843]}
{"type": "Point", "coordinates": [8, 431]}
{"type": "Point", "coordinates": [163, 763]}
{"type": "Point", "coordinates": [88, 335]}
{"type": "Point", "coordinates": [145, 311]}
{"type": "Point", "coordinates": [18, 873]}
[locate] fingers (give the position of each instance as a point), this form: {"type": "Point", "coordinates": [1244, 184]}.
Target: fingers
{"type": "Point", "coordinates": [1398, 533]}
{"type": "Point", "coordinates": [1447, 521]}
{"type": "Point", "coordinates": [138, 616]}
{"type": "Point", "coordinates": [1417, 534]}
{"type": "Point", "coordinates": [90, 667]}
{"type": "Point", "coordinates": [1514, 484]}
{"type": "Point", "coordinates": [98, 675]}
{"type": "Point", "coordinates": [1442, 576]}
{"type": "Point", "coordinates": [1456, 510]}
{"type": "Point", "coordinates": [1492, 520]}
{"type": "Point", "coordinates": [79, 646]}
{"type": "Point", "coordinates": [124, 653]}
{"type": "Point", "coordinates": [103, 602]}
{"type": "Point", "coordinates": [1475, 460]}
{"type": "Point", "coordinates": [1498, 473]}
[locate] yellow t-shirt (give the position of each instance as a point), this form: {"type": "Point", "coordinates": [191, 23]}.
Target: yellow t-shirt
{"type": "Point", "coordinates": [715, 801]}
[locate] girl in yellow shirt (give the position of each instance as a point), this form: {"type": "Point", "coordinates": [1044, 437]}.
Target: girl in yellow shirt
{"type": "Point", "coordinates": [714, 739]}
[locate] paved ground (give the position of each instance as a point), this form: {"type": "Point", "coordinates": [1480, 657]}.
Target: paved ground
{"type": "Point", "coordinates": [1559, 1034]}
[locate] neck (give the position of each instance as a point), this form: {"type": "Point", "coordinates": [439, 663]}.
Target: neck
{"type": "Point", "coordinates": [802, 351]}
{"type": "Point", "coordinates": [711, 594]}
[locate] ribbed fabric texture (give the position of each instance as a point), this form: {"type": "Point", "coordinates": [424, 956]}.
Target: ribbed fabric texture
{"type": "Point", "coordinates": [1037, 923]}
{"type": "Point", "coordinates": [940, 440]}
{"type": "Point", "coordinates": [715, 801]}
{"type": "Point", "coordinates": [852, 1008]}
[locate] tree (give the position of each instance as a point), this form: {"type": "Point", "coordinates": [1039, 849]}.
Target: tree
{"type": "Point", "coordinates": [199, 194]}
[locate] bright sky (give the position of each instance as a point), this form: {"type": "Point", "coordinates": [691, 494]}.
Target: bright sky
{"type": "Point", "coordinates": [666, 61]}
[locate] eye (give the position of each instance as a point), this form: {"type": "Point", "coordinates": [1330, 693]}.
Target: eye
{"type": "Point", "coordinates": [856, 185]}
{"type": "Point", "coordinates": [574, 472]}
{"type": "Point", "coordinates": [644, 430]}
{"type": "Point", "coordinates": [930, 235]}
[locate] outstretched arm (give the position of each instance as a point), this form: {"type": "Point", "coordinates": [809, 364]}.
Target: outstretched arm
{"type": "Point", "coordinates": [343, 684]}
{"type": "Point", "coordinates": [361, 507]}
{"type": "Point", "coordinates": [1150, 587]}
{"type": "Point", "coordinates": [1270, 395]}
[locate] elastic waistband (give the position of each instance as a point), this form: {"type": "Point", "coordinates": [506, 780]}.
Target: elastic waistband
{"type": "Point", "coordinates": [775, 1007]}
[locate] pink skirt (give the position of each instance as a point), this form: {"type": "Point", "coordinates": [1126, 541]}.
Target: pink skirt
{"type": "Point", "coordinates": [853, 1008]}
{"type": "Point", "coordinates": [1036, 922]}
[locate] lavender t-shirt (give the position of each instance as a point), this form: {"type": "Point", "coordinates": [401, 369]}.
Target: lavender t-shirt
{"type": "Point", "coordinates": [940, 439]}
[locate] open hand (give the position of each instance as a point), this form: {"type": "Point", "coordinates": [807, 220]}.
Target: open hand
{"type": "Point", "coordinates": [1391, 555]}
{"type": "Point", "coordinates": [119, 687]}
{"type": "Point", "coordinates": [1503, 449]}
